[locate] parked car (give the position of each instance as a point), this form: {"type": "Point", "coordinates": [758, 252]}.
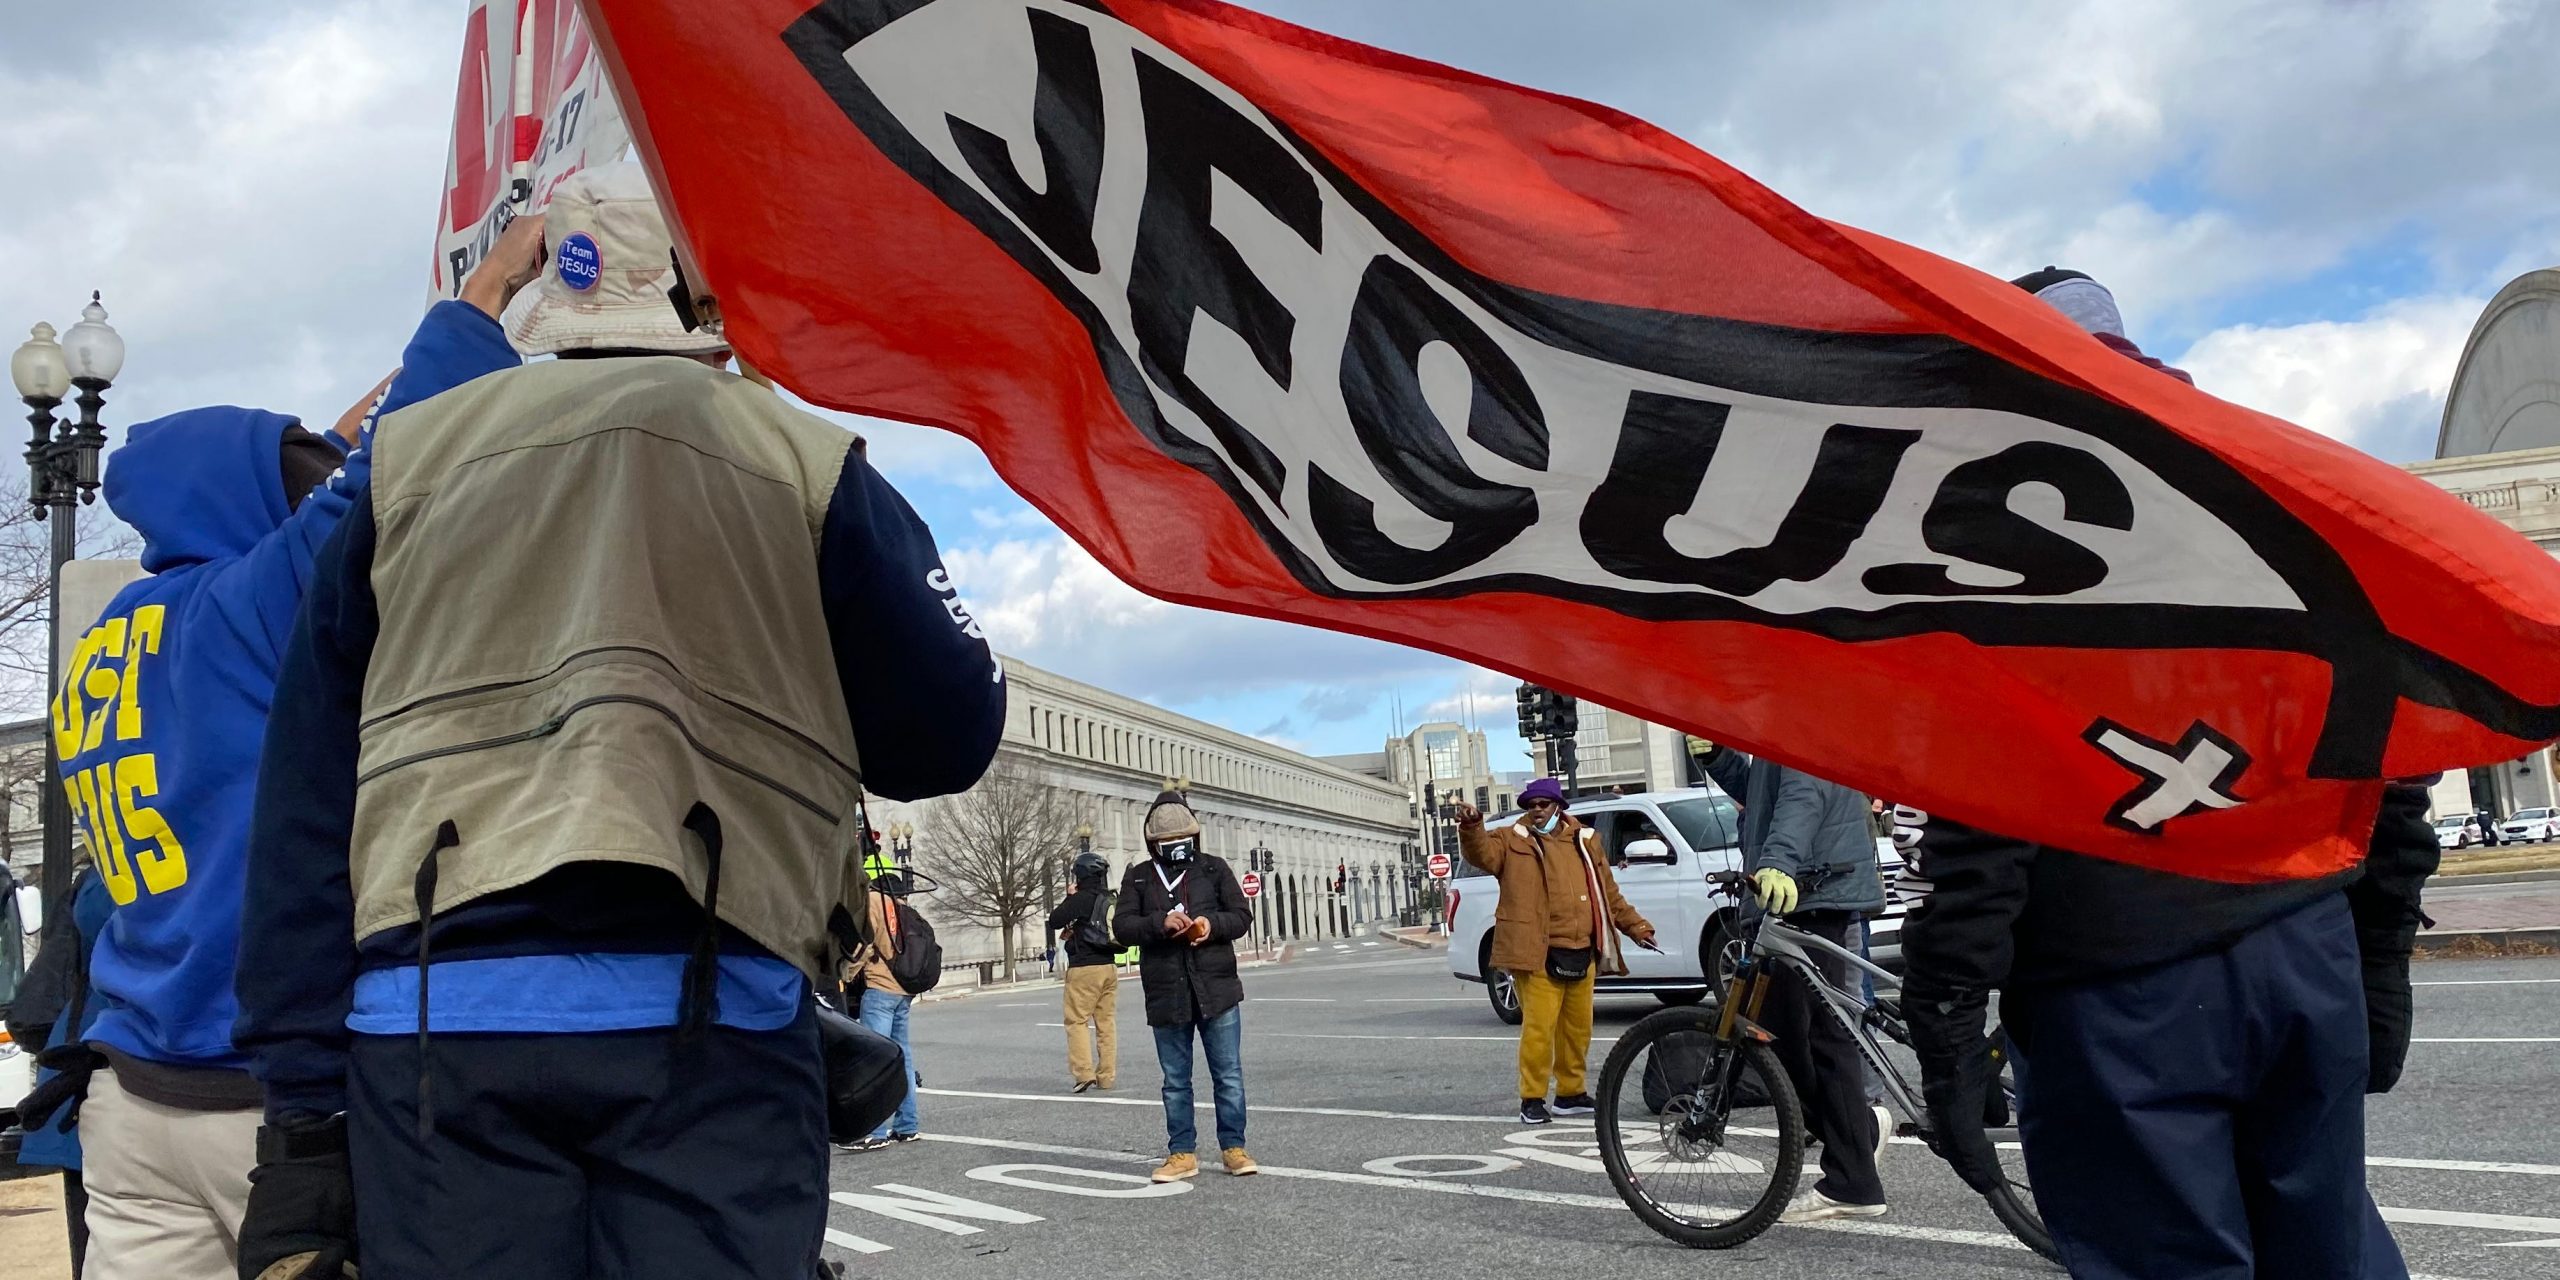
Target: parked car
{"type": "Point", "coordinates": [2530, 826]}
{"type": "Point", "coordinates": [2458, 831]}
{"type": "Point", "coordinates": [1662, 846]}
{"type": "Point", "coordinates": [20, 913]}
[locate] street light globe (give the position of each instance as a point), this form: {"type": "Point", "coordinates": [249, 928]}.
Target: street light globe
{"type": "Point", "coordinates": [38, 367]}
{"type": "Point", "coordinates": [93, 348]}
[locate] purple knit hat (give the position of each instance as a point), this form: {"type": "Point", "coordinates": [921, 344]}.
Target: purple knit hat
{"type": "Point", "coordinates": [1543, 789]}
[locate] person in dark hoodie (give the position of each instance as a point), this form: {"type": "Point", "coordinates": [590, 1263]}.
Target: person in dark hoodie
{"type": "Point", "coordinates": [1083, 925]}
{"type": "Point", "coordinates": [561, 805]}
{"type": "Point", "coordinates": [2191, 1056]}
{"type": "Point", "coordinates": [1183, 910]}
{"type": "Point", "coordinates": [164, 702]}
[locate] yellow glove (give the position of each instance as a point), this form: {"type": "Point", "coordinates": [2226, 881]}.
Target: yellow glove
{"type": "Point", "coordinates": [1777, 890]}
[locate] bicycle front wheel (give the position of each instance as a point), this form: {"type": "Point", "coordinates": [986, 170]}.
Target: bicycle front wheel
{"type": "Point", "coordinates": [1703, 1138]}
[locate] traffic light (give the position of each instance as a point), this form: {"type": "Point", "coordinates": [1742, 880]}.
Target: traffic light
{"type": "Point", "coordinates": [1564, 715]}
{"type": "Point", "coordinates": [1533, 707]}
{"type": "Point", "coordinates": [1546, 714]}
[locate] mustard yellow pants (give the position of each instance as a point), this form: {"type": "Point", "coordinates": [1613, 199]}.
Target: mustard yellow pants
{"type": "Point", "coordinates": [1555, 1033]}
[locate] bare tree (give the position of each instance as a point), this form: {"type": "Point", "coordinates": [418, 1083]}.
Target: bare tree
{"type": "Point", "coordinates": [26, 579]}
{"type": "Point", "coordinates": [996, 848]}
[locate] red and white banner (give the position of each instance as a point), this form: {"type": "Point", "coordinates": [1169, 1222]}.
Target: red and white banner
{"type": "Point", "coordinates": [532, 107]}
{"type": "Point", "coordinates": [1280, 324]}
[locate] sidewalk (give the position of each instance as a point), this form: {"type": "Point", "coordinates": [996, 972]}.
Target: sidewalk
{"type": "Point", "coordinates": [2508, 913]}
{"type": "Point", "coordinates": [33, 1244]}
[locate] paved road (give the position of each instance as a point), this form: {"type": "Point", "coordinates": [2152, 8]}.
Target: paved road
{"type": "Point", "coordinates": [1366, 1065]}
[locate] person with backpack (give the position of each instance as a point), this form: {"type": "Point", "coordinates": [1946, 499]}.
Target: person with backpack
{"type": "Point", "coordinates": [1083, 926]}
{"type": "Point", "coordinates": [903, 961]}
{"type": "Point", "coordinates": [1183, 910]}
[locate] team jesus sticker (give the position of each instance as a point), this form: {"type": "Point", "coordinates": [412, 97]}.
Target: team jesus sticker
{"type": "Point", "coordinates": [581, 263]}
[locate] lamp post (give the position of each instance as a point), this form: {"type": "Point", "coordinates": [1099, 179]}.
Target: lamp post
{"type": "Point", "coordinates": [62, 473]}
{"type": "Point", "coordinates": [902, 844]}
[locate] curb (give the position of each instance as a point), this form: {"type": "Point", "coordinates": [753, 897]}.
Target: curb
{"type": "Point", "coordinates": [2439, 940]}
{"type": "Point", "coordinates": [2498, 877]}
{"type": "Point", "coordinates": [1427, 942]}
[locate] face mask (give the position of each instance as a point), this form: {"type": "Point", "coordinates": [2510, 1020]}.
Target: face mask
{"type": "Point", "coordinates": [1176, 852]}
{"type": "Point", "coordinates": [1548, 827]}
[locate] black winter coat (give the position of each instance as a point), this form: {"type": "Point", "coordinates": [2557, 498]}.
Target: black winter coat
{"type": "Point", "coordinates": [1184, 983]}
{"type": "Point", "coordinates": [1069, 922]}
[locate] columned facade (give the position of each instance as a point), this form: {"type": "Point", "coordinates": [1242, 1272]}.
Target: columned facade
{"type": "Point", "coordinates": [1113, 754]}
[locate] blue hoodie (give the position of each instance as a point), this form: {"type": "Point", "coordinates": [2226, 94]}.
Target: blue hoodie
{"type": "Point", "coordinates": [164, 703]}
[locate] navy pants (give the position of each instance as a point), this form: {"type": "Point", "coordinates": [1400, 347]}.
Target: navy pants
{"type": "Point", "coordinates": [569, 1157]}
{"type": "Point", "coordinates": [2205, 1119]}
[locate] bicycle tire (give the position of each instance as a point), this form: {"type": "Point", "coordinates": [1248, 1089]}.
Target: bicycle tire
{"type": "Point", "coordinates": [2015, 1210]}
{"type": "Point", "coordinates": [1757, 1059]}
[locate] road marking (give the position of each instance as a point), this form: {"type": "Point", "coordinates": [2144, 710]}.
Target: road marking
{"type": "Point", "coordinates": [932, 1208]}
{"type": "Point", "coordinates": [1422, 1000]}
{"type": "Point", "coordinates": [2526, 1244]}
{"type": "Point", "coordinates": [2486, 1040]}
{"type": "Point", "coordinates": [2487, 982]}
{"type": "Point", "coordinates": [2475, 1221]}
{"type": "Point", "coordinates": [1571, 1199]}
{"type": "Point", "coordinates": [1342, 946]}
{"type": "Point", "coordinates": [1291, 1000]}
{"type": "Point", "coordinates": [1347, 1113]}
{"type": "Point", "coordinates": [1118, 1186]}
{"type": "Point", "coordinates": [848, 1240]}
{"type": "Point", "coordinates": [1368, 944]}
{"type": "Point", "coordinates": [1476, 1166]}
{"type": "Point", "coordinates": [2464, 1166]}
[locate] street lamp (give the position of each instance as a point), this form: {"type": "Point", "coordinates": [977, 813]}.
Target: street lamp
{"type": "Point", "coordinates": [902, 844]}
{"type": "Point", "coordinates": [62, 473]}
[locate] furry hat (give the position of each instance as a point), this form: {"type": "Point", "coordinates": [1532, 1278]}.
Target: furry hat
{"type": "Point", "coordinates": [1170, 818]}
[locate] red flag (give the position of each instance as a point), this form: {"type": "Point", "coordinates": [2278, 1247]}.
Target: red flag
{"type": "Point", "coordinates": [1280, 324]}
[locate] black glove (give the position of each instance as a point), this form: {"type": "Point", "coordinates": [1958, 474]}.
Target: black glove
{"type": "Point", "coordinates": [71, 1065]}
{"type": "Point", "coordinates": [2384, 902]}
{"type": "Point", "coordinates": [301, 1223]}
{"type": "Point", "coordinates": [1958, 1080]}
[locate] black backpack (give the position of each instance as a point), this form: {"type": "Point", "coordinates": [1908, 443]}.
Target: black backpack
{"type": "Point", "coordinates": [918, 963]}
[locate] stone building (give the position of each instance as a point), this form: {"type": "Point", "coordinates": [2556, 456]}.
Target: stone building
{"type": "Point", "coordinates": [1339, 840]}
{"type": "Point", "coordinates": [2499, 450]}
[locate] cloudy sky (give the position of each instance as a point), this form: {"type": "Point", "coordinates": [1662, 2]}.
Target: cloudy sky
{"type": "Point", "coordinates": [2304, 203]}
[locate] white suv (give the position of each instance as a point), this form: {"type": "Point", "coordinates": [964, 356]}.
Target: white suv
{"type": "Point", "coordinates": [1662, 846]}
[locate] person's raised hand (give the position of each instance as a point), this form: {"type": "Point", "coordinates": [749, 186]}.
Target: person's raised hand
{"type": "Point", "coordinates": [512, 263]}
{"type": "Point", "coordinates": [1467, 815]}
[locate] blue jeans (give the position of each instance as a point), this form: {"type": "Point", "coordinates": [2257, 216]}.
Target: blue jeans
{"type": "Point", "coordinates": [887, 1014]}
{"type": "Point", "coordinates": [1222, 1038]}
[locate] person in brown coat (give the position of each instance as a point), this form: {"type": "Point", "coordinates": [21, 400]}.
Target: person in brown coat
{"type": "Point", "coordinates": [1555, 930]}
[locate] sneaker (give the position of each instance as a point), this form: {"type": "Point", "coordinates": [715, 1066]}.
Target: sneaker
{"type": "Point", "coordinates": [1884, 1131]}
{"type": "Point", "coordinates": [1813, 1206]}
{"type": "Point", "coordinates": [1534, 1111]}
{"type": "Point", "coordinates": [1083, 1086]}
{"type": "Point", "coordinates": [1238, 1163]}
{"type": "Point", "coordinates": [906, 1137]}
{"type": "Point", "coordinates": [1176, 1167]}
{"type": "Point", "coordinates": [863, 1144]}
{"type": "Point", "coordinates": [1579, 1104]}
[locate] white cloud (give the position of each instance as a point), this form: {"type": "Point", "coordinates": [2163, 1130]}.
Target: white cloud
{"type": "Point", "coordinates": [2377, 382]}
{"type": "Point", "coordinates": [1049, 602]}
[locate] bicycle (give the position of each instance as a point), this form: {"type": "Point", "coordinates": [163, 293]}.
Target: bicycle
{"type": "Point", "coordinates": [1672, 1147]}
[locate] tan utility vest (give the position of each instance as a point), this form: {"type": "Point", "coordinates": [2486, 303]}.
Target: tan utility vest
{"type": "Point", "coordinates": [598, 590]}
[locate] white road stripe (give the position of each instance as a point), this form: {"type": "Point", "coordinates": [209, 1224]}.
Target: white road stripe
{"type": "Point", "coordinates": [1571, 1199]}
{"type": "Point", "coordinates": [849, 1241]}
{"type": "Point", "coordinates": [2486, 1040]}
{"type": "Point", "coordinates": [2464, 1166]}
{"type": "Point", "coordinates": [1424, 1000]}
{"type": "Point", "coordinates": [1511, 1118]}
{"type": "Point", "coordinates": [1290, 1000]}
{"type": "Point", "coordinates": [2488, 982]}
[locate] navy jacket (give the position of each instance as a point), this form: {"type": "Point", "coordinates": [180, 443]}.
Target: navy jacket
{"type": "Point", "coordinates": [1818, 832]}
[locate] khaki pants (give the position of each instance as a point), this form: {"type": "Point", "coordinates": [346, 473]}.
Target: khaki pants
{"type": "Point", "coordinates": [167, 1188]}
{"type": "Point", "coordinates": [1093, 996]}
{"type": "Point", "coordinates": [1555, 1033]}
